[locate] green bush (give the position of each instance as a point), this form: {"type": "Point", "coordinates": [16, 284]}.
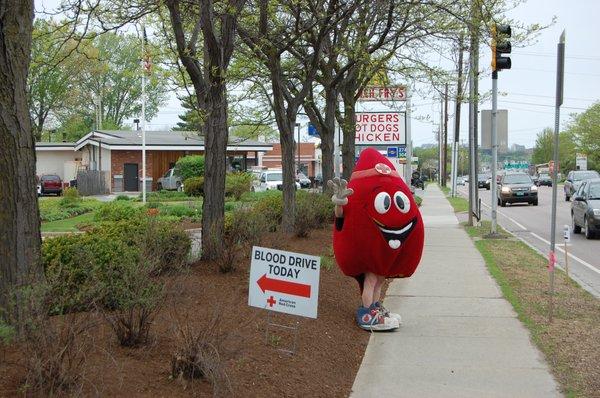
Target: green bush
{"type": "Point", "coordinates": [194, 186]}
{"type": "Point", "coordinates": [122, 197]}
{"type": "Point", "coordinates": [70, 197]}
{"type": "Point", "coordinates": [306, 215]}
{"type": "Point", "coordinates": [86, 269]}
{"type": "Point", "coordinates": [190, 166]}
{"type": "Point", "coordinates": [165, 196]}
{"type": "Point", "coordinates": [236, 184]}
{"type": "Point", "coordinates": [271, 207]}
{"type": "Point", "coordinates": [182, 211]}
{"type": "Point", "coordinates": [243, 228]}
{"type": "Point", "coordinates": [116, 211]}
{"type": "Point", "coordinates": [6, 333]}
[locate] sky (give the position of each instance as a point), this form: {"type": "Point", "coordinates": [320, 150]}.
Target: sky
{"type": "Point", "coordinates": [527, 90]}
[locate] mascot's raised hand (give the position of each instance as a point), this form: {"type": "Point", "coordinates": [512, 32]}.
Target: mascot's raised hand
{"type": "Point", "coordinates": [340, 191]}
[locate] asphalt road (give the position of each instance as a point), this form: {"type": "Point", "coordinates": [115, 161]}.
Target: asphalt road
{"type": "Point", "coordinates": [532, 223]}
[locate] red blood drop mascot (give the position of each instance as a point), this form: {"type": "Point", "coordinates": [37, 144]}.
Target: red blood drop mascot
{"type": "Point", "coordinates": [378, 233]}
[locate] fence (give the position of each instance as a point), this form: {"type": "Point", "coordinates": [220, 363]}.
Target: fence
{"type": "Point", "coordinates": [92, 182]}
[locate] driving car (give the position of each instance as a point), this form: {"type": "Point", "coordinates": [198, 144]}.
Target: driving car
{"type": "Point", "coordinates": [574, 180]}
{"type": "Point", "coordinates": [170, 181]}
{"type": "Point", "coordinates": [517, 187]}
{"type": "Point", "coordinates": [303, 180]}
{"type": "Point", "coordinates": [488, 182]}
{"type": "Point", "coordinates": [481, 179]}
{"type": "Point", "coordinates": [270, 180]}
{"type": "Point", "coordinates": [50, 184]}
{"type": "Point", "coordinates": [585, 208]}
{"type": "Point", "coordinates": [544, 179]}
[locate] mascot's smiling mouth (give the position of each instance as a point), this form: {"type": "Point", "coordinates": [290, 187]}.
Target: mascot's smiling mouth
{"type": "Point", "coordinates": [396, 236]}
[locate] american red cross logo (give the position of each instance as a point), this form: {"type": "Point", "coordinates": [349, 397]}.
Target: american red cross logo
{"type": "Point", "coordinates": [271, 301]}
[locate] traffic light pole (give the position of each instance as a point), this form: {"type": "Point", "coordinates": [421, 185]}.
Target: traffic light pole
{"type": "Point", "coordinates": [493, 183]}
{"type": "Point", "coordinates": [560, 67]}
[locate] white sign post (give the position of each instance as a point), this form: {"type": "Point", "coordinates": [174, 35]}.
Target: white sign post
{"type": "Point", "coordinates": [567, 236]}
{"type": "Point", "coordinates": [285, 282]}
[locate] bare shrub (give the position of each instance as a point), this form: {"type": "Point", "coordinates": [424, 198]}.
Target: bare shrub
{"type": "Point", "coordinates": [165, 246]}
{"type": "Point", "coordinates": [54, 348]}
{"type": "Point", "coordinates": [244, 228]}
{"type": "Point", "coordinates": [201, 349]}
{"type": "Point", "coordinates": [136, 298]}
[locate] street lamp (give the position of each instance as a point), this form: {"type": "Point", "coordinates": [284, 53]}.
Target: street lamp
{"type": "Point", "coordinates": [137, 123]}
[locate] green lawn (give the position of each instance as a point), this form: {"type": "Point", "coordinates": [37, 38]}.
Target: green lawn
{"type": "Point", "coordinates": [68, 224]}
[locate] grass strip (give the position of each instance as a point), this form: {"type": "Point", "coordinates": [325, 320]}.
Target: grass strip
{"type": "Point", "coordinates": [68, 224]}
{"type": "Point", "coordinates": [570, 342]}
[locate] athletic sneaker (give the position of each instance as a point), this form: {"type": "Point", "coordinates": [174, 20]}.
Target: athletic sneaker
{"type": "Point", "coordinates": [372, 319]}
{"type": "Point", "coordinates": [387, 313]}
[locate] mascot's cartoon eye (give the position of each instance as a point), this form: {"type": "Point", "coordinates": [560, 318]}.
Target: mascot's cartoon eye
{"type": "Point", "coordinates": [383, 202]}
{"type": "Point", "coordinates": [402, 202]}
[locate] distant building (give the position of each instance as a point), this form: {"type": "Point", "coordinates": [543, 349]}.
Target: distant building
{"type": "Point", "coordinates": [310, 162]}
{"type": "Point", "coordinates": [518, 148]}
{"type": "Point", "coordinates": [120, 154]}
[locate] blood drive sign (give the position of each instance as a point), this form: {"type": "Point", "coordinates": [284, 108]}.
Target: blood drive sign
{"type": "Point", "coordinates": [283, 281]}
{"type": "Point", "coordinates": [380, 128]}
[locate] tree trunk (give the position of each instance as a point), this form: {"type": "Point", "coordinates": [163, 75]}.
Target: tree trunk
{"type": "Point", "coordinates": [215, 141]}
{"type": "Point", "coordinates": [288, 149]}
{"type": "Point", "coordinates": [349, 129]}
{"type": "Point", "coordinates": [19, 219]}
{"type": "Point", "coordinates": [326, 129]}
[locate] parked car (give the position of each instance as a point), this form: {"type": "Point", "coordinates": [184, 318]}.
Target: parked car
{"type": "Point", "coordinates": [50, 184]}
{"type": "Point", "coordinates": [170, 181]}
{"type": "Point", "coordinates": [517, 187]}
{"type": "Point", "coordinates": [271, 180]}
{"type": "Point", "coordinates": [544, 179]}
{"type": "Point", "coordinates": [303, 180]}
{"type": "Point", "coordinates": [585, 208]}
{"type": "Point", "coordinates": [460, 180]}
{"type": "Point", "coordinates": [574, 180]}
{"type": "Point", "coordinates": [488, 182]}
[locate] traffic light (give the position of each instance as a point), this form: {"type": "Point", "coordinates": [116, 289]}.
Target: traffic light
{"type": "Point", "coordinates": [500, 45]}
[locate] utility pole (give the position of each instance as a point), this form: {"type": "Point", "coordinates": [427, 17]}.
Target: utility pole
{"type": "Point", "coordinates": [473, 53]}
{"type": "Point", "coordinates": [298, 145]}
{"type": "Point", "coordinates": [457, 105]}
{"type": "Point", "coordinates": [560, 70]}
{"type": "Point", "coordinates": [440, 141]}
{"type": "Point", "coordinates": [145, 69]}
{"type": "Point", "coordinates": [445, 148]}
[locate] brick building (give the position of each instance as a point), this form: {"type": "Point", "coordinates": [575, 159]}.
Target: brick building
{"type": "Point", "coordinates": [310, 163]}
{"type": "Point", "coordinates": [120, 154]}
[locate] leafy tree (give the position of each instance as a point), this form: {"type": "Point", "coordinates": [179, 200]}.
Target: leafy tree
{"type": "Point", "coordinates": [585, 129]}
{"type": "Point", "coordinates": [49, 83]}
{"type": "Point", "coordinates": [543, 149]}
{"type": "Point", "coordinates": [19, 218]}
{"type": "Point", "coordinates": [190, 120]}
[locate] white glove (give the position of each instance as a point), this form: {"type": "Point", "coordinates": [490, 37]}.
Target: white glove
{"type": "Point", "coordinates": [340, 191]}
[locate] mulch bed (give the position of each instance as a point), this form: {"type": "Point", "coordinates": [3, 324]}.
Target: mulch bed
{"type": "Point", "coordinates": [328, 354]}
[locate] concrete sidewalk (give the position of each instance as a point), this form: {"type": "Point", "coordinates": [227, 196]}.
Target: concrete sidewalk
{"type": "Point", "coordinates": [459, 337]}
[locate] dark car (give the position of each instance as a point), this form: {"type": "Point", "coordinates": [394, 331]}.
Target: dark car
{"type": "Point", "coordinates": [50, 184]}
{"type": "Point", "coordinates": [544, 179]}
{"type": "Point", "coordinates": [585, 209]}
{"type": "Point", "coordinates": [517, 187]}
{"type": "Point", "coordinates": [574, 180]}
{"type": "Point", "coordinates": [481, 180]}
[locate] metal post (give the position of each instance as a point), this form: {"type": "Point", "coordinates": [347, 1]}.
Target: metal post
{"type": "Point", "coordinates": [494, 185]}
{"type": "Point", "coordinates": [408, 165]}
{"type": "Point", "coordinates": [298, 145]}
{"type": "Point", "coordinates": [476, 201]}
{"type": "Point", "coordinates": [445, 142]}
{"type": "Point", "coordinates": [143, 115]}
{"type": "Point", "coordinates": [336, 155]}
{"type": "Point", "coordinates": [472, 151]}
{"type": "Point", "coordinates": [560, 64]}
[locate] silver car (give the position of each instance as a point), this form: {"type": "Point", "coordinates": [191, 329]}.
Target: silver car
{"type": "Point", "coordinates": [170, 181]}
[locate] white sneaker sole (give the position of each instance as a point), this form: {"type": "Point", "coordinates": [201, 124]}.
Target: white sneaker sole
{"type": "Point", "coordinates": [380, 328]}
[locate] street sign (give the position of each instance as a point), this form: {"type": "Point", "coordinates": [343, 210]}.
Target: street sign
{"type": "Point", "coordinates": [283, 281]}
{"type": "Point", "coordinates": [501, 129]}
{"type": "Point", "coordinates": [567, 233]}
{"type": "Point", "coordinates": [383, 93]}
{"type": "Point", "coordinates": [581, 161]}
{"type": "Point", "coordinates": [312, 130]}
{"type": "Point", "coordinates": [380, 128]}
{"type": "Point", "coordinates": [392, 152]}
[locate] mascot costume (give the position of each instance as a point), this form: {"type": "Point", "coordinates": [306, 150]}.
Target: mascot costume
{"type": "Point", "coordinates": [378, 233]}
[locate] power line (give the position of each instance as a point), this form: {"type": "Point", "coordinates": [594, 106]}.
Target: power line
{"type": "Point", "coordinates": [544, 105]}
{"type": "Point", "coordinates": [553, 71]}
{"type": "Point", "coordinates": [539, 54]}
{"type": "Point", "coordinates": [552, 96]}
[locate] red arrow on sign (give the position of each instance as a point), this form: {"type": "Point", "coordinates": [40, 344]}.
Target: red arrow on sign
{"type": "Point", "coordinates": [277, 285]}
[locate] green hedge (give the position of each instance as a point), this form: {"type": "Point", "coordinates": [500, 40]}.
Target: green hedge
{"type": "Point", "coordinates": [190, 166]}
{"type": "Point", "coordinates": [52, 209]}
{"type": "Point", "coordinates": [118, 210]}
{"type": "Point", "coordinates": [194, 186]}
{"type": "Point", "coordinates": [87, 269]}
